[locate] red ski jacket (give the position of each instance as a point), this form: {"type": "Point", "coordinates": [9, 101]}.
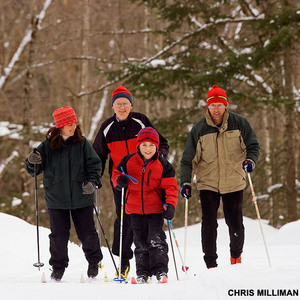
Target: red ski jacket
{"type": "Point", "coordinates": [156, 184]}
{"type": "Point", "coordinates": [119, 139]}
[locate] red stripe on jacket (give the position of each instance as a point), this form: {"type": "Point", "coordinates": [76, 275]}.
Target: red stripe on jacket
{"type": "Point", "coordinates": [119, 149]}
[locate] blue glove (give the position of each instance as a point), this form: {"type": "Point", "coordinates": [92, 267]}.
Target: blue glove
{"type": "Point", "coordinates": [186, 191]}
{"type": "Point", "coordinates": [248, 165]}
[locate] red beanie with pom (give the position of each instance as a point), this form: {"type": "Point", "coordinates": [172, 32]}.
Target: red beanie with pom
{"type": "Point", "coordinates": [216, 95]}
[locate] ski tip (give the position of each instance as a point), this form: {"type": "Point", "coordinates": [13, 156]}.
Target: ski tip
{"type": "Point", "coordinates": [133, 280]}
{"type": "Point", "coordinates": [185, 269]}
{"type": "Point", "coordinates": [82, 279]}
{"type": "Point", "coordinates": [164, 279]}
{"type": "Point", "coordinates": [43, 278]}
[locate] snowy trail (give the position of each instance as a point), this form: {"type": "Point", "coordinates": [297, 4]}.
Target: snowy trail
{"type": "Point", "coordinates": [20, 280]}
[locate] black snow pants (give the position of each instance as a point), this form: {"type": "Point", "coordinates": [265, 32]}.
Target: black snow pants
{"type": "Point", "coordinates": [60, 225]}
{"type": "Point", "coordinates": [151, 248]}
{"type": "Point", "coordinates": [233, 213]}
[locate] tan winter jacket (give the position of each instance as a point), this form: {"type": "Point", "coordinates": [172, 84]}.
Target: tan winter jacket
{"type": "Point", "coordinates": [215, 154]}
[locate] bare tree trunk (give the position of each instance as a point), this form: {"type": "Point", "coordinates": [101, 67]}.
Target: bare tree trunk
{"type": "Point", "coordinates": [266, 141]}
{"type": "Point", "coordinates": [146, 46]}
{"type": "Point", "coordinates": [27, 110]}
{"type": "Point", "coordinates": [290, 134]}
{"type": "Point", "coordinates": [83, 118]}
{"type": "Point", "coordinates": [26, 103]}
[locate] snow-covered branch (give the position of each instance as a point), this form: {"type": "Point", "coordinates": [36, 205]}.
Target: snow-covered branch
{"type": "Point", "coordinates": [6, 162]}
{"type": "Point", "coordinates": [96, 119]}
{"type": "Point", "coordinates": [26, 39]}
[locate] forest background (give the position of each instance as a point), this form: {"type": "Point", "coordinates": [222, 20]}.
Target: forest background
{"type": "Point", "coordinates": [168, 53]}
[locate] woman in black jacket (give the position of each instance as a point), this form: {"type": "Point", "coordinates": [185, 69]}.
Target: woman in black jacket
{"type": "Point", "coordinates": [72, 169]}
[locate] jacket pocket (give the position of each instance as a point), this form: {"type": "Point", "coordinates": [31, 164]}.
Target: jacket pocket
{"type": "Point", "coordinates": [148, 177]}
{"type": "Point", "coordinates": [127, 195]}
{"type": "Point", "coordinates": [233, 141]}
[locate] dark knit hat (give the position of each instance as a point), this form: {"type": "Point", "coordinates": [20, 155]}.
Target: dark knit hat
{"type": "Point", "coordinates": [216, 95]}
{"type": "Point", "coordinates": [121, 92]}
{"type": "Point", "coordinates": [148, 134]}
{"type": "Point", "coordinates": [64, 116]}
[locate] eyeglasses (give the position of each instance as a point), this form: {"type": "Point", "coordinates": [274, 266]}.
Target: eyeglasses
{"type": "Point", "coordinates": [118, 105]}
{"type": "Point", "coordinates": [213, 106]}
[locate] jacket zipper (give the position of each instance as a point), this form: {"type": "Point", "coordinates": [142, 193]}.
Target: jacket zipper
{"type": "Point", "coordinates": [125, 140]}
{"type": "Point", "coordinates": [218, 155]}
{"type": "Point", "coordinates": [142, 189]}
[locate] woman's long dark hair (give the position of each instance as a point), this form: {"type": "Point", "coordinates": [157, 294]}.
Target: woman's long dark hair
{"type": "Point", "coordinates": [56, 141]}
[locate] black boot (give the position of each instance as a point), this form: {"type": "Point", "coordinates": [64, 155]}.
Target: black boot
{"type": "Point", "coordinates": [92, 271]}
{"type": "Point", "coordinates": [161, 276]}
{"type": "Point", "coordinates": [57, 273]}
{"type": "Point", "coordinates": [140, 279]}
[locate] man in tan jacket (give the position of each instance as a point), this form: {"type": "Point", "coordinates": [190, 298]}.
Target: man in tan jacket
{"type": "Point", "coordinates": [218, 149]}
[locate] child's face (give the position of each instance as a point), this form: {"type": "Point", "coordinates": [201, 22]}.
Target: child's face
{"type": "Point", "coordinates": [147, 149]}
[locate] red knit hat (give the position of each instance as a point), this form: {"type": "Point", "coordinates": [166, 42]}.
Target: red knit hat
{"type": "Point", "coordinates": [121, 92]}
{"type": "Point", "coordinates": [64, 116]}
{"type": "Point", "coordinates": [216, 95]}
{"type": "Point", "coordinates": [148, 134]}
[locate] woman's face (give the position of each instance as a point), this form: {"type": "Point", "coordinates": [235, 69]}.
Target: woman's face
{"type": "Point", "coordinates": [68, 130]}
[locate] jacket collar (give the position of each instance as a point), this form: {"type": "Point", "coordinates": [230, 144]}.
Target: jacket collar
{"type": "Point", "coordinates": [123, 123]}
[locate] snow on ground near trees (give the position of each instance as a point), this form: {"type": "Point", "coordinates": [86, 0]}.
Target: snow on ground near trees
{"type": "Point", "coordinates": [20, 280]}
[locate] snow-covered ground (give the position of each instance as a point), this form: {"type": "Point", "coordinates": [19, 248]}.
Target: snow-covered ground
{"type": "Point", "coordinates": [20, 280]}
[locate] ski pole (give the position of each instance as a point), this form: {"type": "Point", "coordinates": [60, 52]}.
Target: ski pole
{"type": "Point", "coordinates": [104, 235]}
{"type": "Point", "coordinates": [173, 252]}
{"type": "Point", "coordinates": [257, 213]}
{"type": "Point", "coordinates": [38, 264]}
{"type": "Point", "coordinates": [120, 279]}
{"type": "Point", "coordinates": [183, 266]}
{"type": "Point", "coordinates": [185, 229]}
{"type": "Point", "coordinates": [98, 210]}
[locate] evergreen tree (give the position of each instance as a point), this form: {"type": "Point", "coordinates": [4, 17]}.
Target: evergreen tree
{"type": "Point", "coordinates": [250, 48]}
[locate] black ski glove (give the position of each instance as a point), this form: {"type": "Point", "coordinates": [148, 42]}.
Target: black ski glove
{"type": "Point", "coordinates": [88, 188]}
{"type": "Point", "coordinates": [35, 158]}
{"type": "Point", "coordinates": [122, 181]}
{"type": "Point", "coordinates": [169, 212]}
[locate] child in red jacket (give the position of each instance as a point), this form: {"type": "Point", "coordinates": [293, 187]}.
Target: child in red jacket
{"type": "Point", "coordinates": [144, 203]}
